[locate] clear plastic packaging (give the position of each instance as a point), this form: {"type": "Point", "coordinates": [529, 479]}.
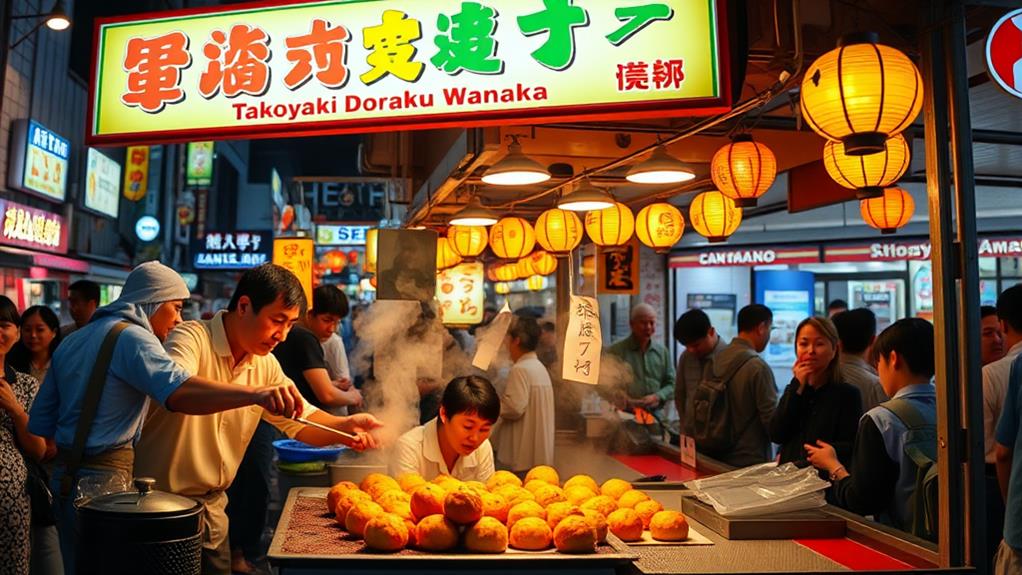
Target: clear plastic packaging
{"type": "Point", "coordinates": [763, 489]}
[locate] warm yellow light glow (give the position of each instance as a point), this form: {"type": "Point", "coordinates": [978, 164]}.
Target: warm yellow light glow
{"type": "Point", "coordinates": [372, 243]}
{"type": "Point", "coordinates": [558, 231]}
{"type": "Point", "coordinates": [467, 241]}
{"type": "Point", "coordinates": [586, 197]}
{"type": "Point", "coordinates": [743, 170]}
{"type": "Point", "coordinates": [523, 268]}
{"type": "Point", "coordinates": [536, 283]}
{"type": "Point", "coordinates": [543, 263]}
{"type": "Point", "coordinates": [506, 272]}
{"type": "Point", "coordinates": [612, 226]}
{"type": "Point", "coordinates": [659, 226]}
{"type": "Point", "coordinates": [516, 169]}
{"type": "Point", "coordinates": [512, 238]}
{"type": "Point", "coordinates": [890, 211]}
{"type": "Point", "coordinates": [446, 257]}
{"type": "Point", "coordinates": [714, 216]}
{"type": "Point", "coordinates": [502, 288]}
{"type": "Point", "coordinates": [474, 214]}
{"type": "Point", "coordinates": [660, 168]}
{"type": "Point", "coordinates": [869, 175]}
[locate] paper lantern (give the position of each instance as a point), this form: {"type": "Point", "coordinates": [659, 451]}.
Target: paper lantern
{"type": "Point", "coordinates": [491, 274]}
{"type": "Point", "coordinates": [334, 261]}
{"type": "Point", "coordinates": [535, 283]}
{"type": "Point", "coordinates": [861, 93]}
{"type": "Point", "coordinates": [502, 288]}
{"type": "Point", "coordinates": [506, 272]}
{"type": "Point", "coordinates": [868, 175]}
{"type": "Point", "coordinates": [743, 170]}
{"type": "Point", "coordinates": [612, 226]}
{"type": "Point", "coordinates": [888, 212]}
{"type": "Point", "coordinates": [512, 238]}
{"type": "Point", "coordinates": [659, 226]}
{"type": "Point", "coordinates": [372, 244]}
{"type": "Point", "coordinates": [446, 257]}
{"type": "Point", "coordinates": [714, 215]}
{"type": "Point", "coordinates": [543, 263]}
{"type": "Point", "coordinates": [467, 241]}
{"type": "Point", "coordinates": [523, 268]}
{"type": "Point", "coordinates": [558, 231]}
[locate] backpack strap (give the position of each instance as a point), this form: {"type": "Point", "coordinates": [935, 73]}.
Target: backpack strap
{"type": "Point", "coordinates": [907, 413]}
{"type": "Point", "coordinates": [745, 358]}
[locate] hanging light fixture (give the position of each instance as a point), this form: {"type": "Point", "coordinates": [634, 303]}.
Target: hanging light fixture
{"type": "Point", "coordinates": [660, 168]}
{"type": "Point", "coordinates": [506, 272]}
{"type": "Point", "coordinates": [867, 175]}
{"type": "Point", "coordinates": [558, 231]}
{"type": "Point", "coordinates": [491, 274]}
{"type": "Point", "coordinates": [535, 283]}
{"type": "Point", "coordinates": [890, 211]}
{"type": "Point", "coordinates": [446, 257]}
{"type": "Point", "coordinates": [467, 241]}
{"type": "Point", "coordinates": [543, 263]}
{"type": "Point", "coordinates": [474, 214]}
{"type": "Point", "coordinates": [512, 238]}
{"type": "Point", "coordinates": [515, 168]}
{"type": "Point", "coordinates": [372, 243]}
{"type": "Point", "coordinates": [586, 197]}
{"type": "Point", "coordinates": [502, 288]}
{"type": "Point", "coordinates": [714, 215]}
{"type": "Point", "coordinates": [611, 226]}
{"type": "Point", "coordinates": [743, 170]}
{"type": "Point", "coordinates": [523, 267]}
{"type": "Point", "coordinates": [659, 226]}
{"type": "Point", "coordinates": [861, 93]}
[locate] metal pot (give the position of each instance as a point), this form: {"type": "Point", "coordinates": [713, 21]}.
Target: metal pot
{"type": "Point", "coordinates": [143, 531]}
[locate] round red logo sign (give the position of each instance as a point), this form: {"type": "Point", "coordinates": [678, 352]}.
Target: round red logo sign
{"type": "Point", "coordinates": [1004, 53]}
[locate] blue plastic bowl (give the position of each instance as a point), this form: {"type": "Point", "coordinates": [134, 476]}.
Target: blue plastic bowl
{"type": "Point", "coordinates": [294, 451]}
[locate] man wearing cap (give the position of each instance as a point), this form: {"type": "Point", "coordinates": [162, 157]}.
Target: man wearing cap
{"type": "Point", "coordinates": [139, 369]}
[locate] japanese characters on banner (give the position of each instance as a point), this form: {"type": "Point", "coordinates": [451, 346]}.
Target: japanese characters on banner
{"type": "Point", "coordinates": [136, 174]}
{"type": "Point", "coordinates": [459, 291]}
{"type": "Point", "coordinates": [328, 66]}
{"type": "Point", "coordinates": [583, 341]}
{"type": "Point", "coordinates": [231, 250]}
{"type": "Point", "coordinates": [296, 254]}
{"type": "Point", "coordinates": [102, 183]}
{"type": "Point", "coordinates": [199, 164]}
{"type": "Point", "coordinates": [38, 160]}
{"type": "Point", "coordinates": [618, 269]}
{"type": "Point", "coordinates": [27, 227]}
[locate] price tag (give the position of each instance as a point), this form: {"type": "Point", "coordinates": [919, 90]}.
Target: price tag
{"type": "Point", "coordinates": [688, 451]}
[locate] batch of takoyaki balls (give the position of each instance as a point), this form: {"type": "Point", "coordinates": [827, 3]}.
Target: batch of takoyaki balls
{"type": "Point", "coordinates": [392, 514]}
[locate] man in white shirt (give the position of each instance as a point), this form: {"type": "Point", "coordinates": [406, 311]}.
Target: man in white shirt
{"type": "Point", "coordinates": [525, 431]}
{"type": "Point", "coordinates": [995, 375]}
{"type": "Point", "coordinates": [457, 441]}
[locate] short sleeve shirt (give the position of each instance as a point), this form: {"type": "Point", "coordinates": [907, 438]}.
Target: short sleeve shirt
{"type": "Point", "coordinates": [1009, 434]}
{"type": "Point", "coordinates": [299, 352]}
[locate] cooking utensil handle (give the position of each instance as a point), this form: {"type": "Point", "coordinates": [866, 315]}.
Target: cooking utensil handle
{"type": "Point", "coordinates": [344, 434]}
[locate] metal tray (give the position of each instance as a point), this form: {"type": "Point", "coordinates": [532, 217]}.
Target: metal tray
{"type": "Point", "coordinates": [614, 553]}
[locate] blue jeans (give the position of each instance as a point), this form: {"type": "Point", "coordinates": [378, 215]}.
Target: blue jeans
{"type": "Point", "coordinates": [47, 558]}
{"type": "Point", "coordinates": [65, 513]}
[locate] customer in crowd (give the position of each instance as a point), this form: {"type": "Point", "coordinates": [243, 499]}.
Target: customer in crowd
{"type": "Point", "coordinates": [198, 455]}
{"type": "Point", "coordinates": [817, 404]}
{"type": "Point", "coordinates": [139, 368]}
{"type": "Point", "coordinates": [880, 479]}
{"type": "Point", "coordinates": [652, 367]}
{"type": "Point", "coordinates": [991, 344]}
{"type": "Point", "coordinates": [82, 302]}
{"type": "Point", "coordinates": [1009, 473]}
{"type": "Point", "coordinates": [856, 330]}
{"type": "Point", "coordinates": [456, 442]}
{"type": "Point", "coordinates": [525, 431]}
{"type": "Point", "coordinates": [751, 391]}
{"type": "Point", "coordinates": [701, 342]}
{"type": "Point", "coordinates": [995, 375]}
{"type": "Point", "coordinates": [17, 443]}
{"type": "Point", "coordinates": [40, 335]}
{"type": "Point", "coordinates": [547, 350]}
{"type": "Point", "coordinates": [836, 306]}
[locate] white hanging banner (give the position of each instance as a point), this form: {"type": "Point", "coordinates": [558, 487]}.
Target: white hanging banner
{"type": "Point", "coordinates": [491, 338]}
{"type": "Point", "coordinates": [583, 341]}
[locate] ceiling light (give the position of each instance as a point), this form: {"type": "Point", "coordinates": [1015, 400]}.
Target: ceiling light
{"type": "Point", "coordinates": [57, 18]}
{"type": "Point", "coordinates": [474, 214]}
{"type": "Point", "coordinates": [516, 169]}
{"type": "Point", "coordinates": [586, 198]}
{"type": "Point", "coordinates": [660, 168]}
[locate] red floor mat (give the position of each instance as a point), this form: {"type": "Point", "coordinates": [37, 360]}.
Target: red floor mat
{"type": "Point", "coordinates": [853, 555]}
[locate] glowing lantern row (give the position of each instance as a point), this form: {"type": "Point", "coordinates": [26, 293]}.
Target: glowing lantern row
{"type": "Point", "coordinates": [890, 211]}
{"type": "Point", "coordinates": [512, 238]}
{"type": "Point", "coordinates": [467, 241]}
{"type": "Point", "coordinates": [446, 257]}
{"type": "Point", "coordinates": [523, 268]}
{"type": "Point", "coordinates": [558, 231]}
{"type": "Point", "coordinates": [505, 272]}
{"type": "Point", "coordinates": [659, 226]}
{"type": "Point", "coordinates": [543, 263]}
{"type": "Point", "coordinates": [743, 170]}
{"type": "Point", "coordinates": [502, 288]}
{"type": "Point", "coordinates": [611, 226]}
{"type": "Point", "coordinates": [535, 283]}
{"type": "Point", "coordinates": [714, 215]}
{"type": "Point", "coordinates": [372, 244]}
{"type": "Point", "coordinates": [861, 93]}
{"type": "Point", "coordinates": [869, 175]}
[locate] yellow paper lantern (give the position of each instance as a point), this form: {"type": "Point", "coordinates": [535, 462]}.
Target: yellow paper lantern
{"type": "Point", "coordinates": [491, 274]}
{"type": "Point", "coordinates": [714, 215]}
{"type": "Point", "coordinates": [372, 244]}
{"type": "Point", "coordinates": [612, 226]}
{"type": "Point", "coordinates": [523, 268]}
{"type": "Point", "coordinates": [543, 263]}
{"type": "Point", "coordinates": [861, 93]}
{"type": "Point", "coordinates": [558, 231]}
{"type": "Point", "coordinates": [659, 226]}
{"type": "Point", "coordinates": [467, 241]}
{"type": "Point", "coordinates": [512, 238]}
{"type": "Point", "coordinates": [535, 283]}
{"type": "Point", "coordinates": [743, 170]}
{"type": "Point", "coordinates": [868, 175]}
{"type": "Point", "coordinates": [889, 212]}
{"type": "Point", "coordinates": [446, 257]}
{"type": "Point", "coordinates": [506, 272]}
{"type": "Point", "coordinates": [502, 288]}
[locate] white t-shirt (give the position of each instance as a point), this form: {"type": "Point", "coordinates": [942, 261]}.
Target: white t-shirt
{"type": "Point", "coordinates": [336, 358]}
{"type": "Point", "coordinates": [418, 451]}
{"type": "Point", "coordinates": [995, 387]}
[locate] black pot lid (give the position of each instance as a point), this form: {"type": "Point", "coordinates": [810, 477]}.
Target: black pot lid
{"type": "Point", "coordinates": [144, 501]}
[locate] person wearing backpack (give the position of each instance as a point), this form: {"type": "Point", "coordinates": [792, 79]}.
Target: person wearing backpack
{"type": "Point", "coordinates": [694, 331]}
{"type": "Point", "coordinates": [893, 472]}
{"type": "Point", "coordinates": [735, 400]}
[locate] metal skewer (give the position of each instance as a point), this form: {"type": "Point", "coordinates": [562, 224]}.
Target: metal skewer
{"type": "Point", "coordinates": [343, 434]}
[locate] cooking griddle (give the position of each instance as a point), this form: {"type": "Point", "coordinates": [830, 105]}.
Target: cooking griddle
{"type": "Point", "coordinates": [308, 536]}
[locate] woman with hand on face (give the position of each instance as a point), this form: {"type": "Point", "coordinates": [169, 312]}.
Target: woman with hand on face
{"type": "Point", "coordinates": [40, 335]}
{"type": "Point", "coordinates": [817, 405]}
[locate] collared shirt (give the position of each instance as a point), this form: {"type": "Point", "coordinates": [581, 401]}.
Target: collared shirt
{"type": "Point", "coordinates": [689, 374]}
{"type": "Point", "coordinates": [652, 370]}
{"type": "Point", "coordinates": [418, 451]}
{"type": "Point", "coordinates": [1009, 434]}
{"type": "Point", "coordinates": [524, 434]}
{"type": "Point", "coordinates": [200, 454]}
{"type": "Point", "coordinates": [995, 389]}
{"type": "Point", "coordinates": [859, 373]}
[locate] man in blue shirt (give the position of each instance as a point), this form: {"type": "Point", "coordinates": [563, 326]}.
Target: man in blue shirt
{"type": "Point", "coordinates": [1009, 474]}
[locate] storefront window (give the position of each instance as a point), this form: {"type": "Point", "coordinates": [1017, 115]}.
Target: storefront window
{"type": "Point", "coordinates": [1010, 267]}
{"type": "Point", "coordinates": [988, 267]}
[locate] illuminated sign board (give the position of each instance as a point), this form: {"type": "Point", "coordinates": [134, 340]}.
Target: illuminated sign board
{"type": "Point", "coordinates": [199, 164]}
{"type": "Point", "coordinates": [285, 68]}
{"type": "Point", "coordinates": [38, 161]}
{"type": "Point", "coordinates": [147, 228]}
{"type": "Point", "coordinates": [297, 255]}
{"type": "Point", "coordinates": [1004, 53]}
{"type": "Point", "coordinates": [232, 250]}
{"type": "Point", "coordinates": [341, 235]}
{"type": "Point", "coordinates": [102, 183]}
{"type": "Point", "coordinates": [136, 177]}
{"type": "Point", "coordinates": [460, 294]}
{"type": "Point", "coordinates": [27, 227]}
{"type": "Point", "coordinates": [746, 257]}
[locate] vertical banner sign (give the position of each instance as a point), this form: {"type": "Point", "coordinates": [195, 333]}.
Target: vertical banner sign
{"type": "Point", "coordinates": [320, 67]}
{"type": "Point", "coordinates": [460, 293]}
{"type": "Point", "coordinates": [199, 167]}
{"type": "Point", "coordinates": [618, 269]}
{"type": "Point", "coordinates": [583, 341]}
{"type": "Point", "coordinates": [102, 183]}
{"type": "Point", "coordinates": [136, 173]}
{"type": "Point", "coordinates": [296, 254]}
